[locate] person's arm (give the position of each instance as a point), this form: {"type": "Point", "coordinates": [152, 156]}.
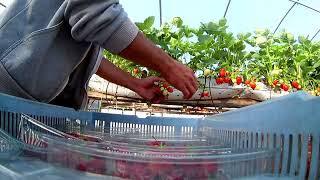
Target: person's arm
{"type": "Point", "coordinates": [105, 23]}
{"type": "Point", "coordinates": [146, 53]}
{"type": "Point", "coordinates": [144, 87]}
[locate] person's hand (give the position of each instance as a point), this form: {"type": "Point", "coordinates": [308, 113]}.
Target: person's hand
{"type": "Point", "coordinates": [181, 77]}
{"type": "Point", "coordinates": [147, 90]}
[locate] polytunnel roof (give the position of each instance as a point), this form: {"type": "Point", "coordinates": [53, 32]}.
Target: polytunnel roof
{"type": "Point", "coordinates": [242, 15]}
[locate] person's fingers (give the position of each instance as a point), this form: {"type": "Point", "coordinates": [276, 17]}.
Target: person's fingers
{"type": "Point", "coordinates": [193, 82]}
{"type": "Point", "coordinates": [155, 79]}
{"type": "Point", "coordinates": [192, 90]}
{"type": "Point", "coordinates": [157, 99]}
{"type": "Point", "coordinates": [185, 91]}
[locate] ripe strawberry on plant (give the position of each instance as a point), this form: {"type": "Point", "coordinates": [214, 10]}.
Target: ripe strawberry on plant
{"type": "Point", "coordinates": [170, 89]}
{"type": "Point", "coordinates": [275, 82]}
{"type": "Point", "coordinates": [285, 87]}
{"type": "Point", "coordinates": [227, 80]}
{"type": "Point", "coordinates": [281, 85]}
{"type": "Point", "coordinates": [253, 85]}
{"type": "Point", "coordinates": [239, 80]}
{"type": "Point", "coordinates": [165, 85]}
{"type": "Point", "coordinates": [247, 82]}
{"type": "Point", "coordinates": [205, 94]}
{"type": "Point", "coordinates": [219, 80]}
{"type": "Point", "coordinates": [222, 72]}
{"type": "Point", "coordinates": [295, 84]}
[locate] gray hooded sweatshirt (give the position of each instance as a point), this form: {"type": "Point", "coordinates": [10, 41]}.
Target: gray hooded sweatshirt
{"type": "Point", "coordinates": [49, 49]}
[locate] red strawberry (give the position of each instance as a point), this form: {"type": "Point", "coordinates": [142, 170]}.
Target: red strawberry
{"type": "Point", "coordinates": [275, 82]}
{"type": "Point", "coordinates": [170, 89]}
{"type": "Point", "coordinates": [154, 143]}
{"type": "Point", "coordinates": [253, 85]}
{"type": "Point", "coordinates": [81, 167]}
{"type": "Point", "coordinates": [285, 87]}
{"type": "Point", "coordinates": [247, 82]}
{"type": "Point", "coordinates": [239, 80]}
{"type": "Point", "coordinates": [227, 80]}
{"type": "Point", "coordinates": [295, 84]}
{"type": "Point", "coordinates": [222, 73]}
{"type": "Point", "coordinates": [281, 85]}
{"type": "Point", "coordinates": [219, 80]}
{"type": "Point", "coordinates": [205, 94]}
{"type": "Point", "coordinates": [165, 85]}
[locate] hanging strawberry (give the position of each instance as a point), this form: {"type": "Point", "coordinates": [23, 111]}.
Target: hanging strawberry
{"type": "Point", "coordinates": [295, 84]}
{"type": "Point", "coordinates": [253, 85]}
{"type": "Point", "coordinates": [205, 94]}
{"type": "Point", "coordinates": [239, 80]}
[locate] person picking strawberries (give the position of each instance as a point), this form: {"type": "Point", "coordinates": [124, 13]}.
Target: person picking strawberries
{"type": "Point", "coordinates": [50, 49]}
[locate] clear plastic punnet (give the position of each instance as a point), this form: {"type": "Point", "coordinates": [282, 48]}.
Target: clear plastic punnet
{"type": "Point", "coordinates": [133, 155]}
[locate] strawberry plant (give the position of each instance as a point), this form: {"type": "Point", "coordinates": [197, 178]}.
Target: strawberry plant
{"type": "Point", "coordinates": [246, 58]}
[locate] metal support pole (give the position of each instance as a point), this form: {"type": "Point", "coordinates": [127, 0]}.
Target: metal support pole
{"type": "Point", "coordinates": [294, 4]}
{"type": "Point", "coordinates": [1, 4]}
{"type": "Point", "coordinates": [160, 11]}
{"type": "Point", "coordinates": [227, 8]}
{"type": "Point", "coordinates": [315, 34]}
{"type": "Point", "coordinates": [305, 6]}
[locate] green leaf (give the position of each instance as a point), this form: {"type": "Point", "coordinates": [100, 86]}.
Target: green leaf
{"type": "Point", "coordinates": [316, 65]}
{"type": "Point", "coordinates": [212, 27]}
{"type": "Point", "coordinates": [140, 26]}
{"type": "Point", "coordinates": [209, 60]}
{"type": "Point", "coordinates": [222, 22]}
{"type": "Point", "coordinates": [203, 38]}
{"type": "Point", "coordinates": [177, 21]}
{"type": "Point", "coordinates": [148, 23]}
{"type": "Point", "coordinates": [302, 39]}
